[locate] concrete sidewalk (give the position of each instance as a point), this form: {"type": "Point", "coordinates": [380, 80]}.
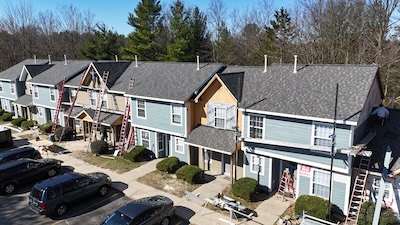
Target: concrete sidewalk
{"type": "Point", "coordinates": [189, 208]}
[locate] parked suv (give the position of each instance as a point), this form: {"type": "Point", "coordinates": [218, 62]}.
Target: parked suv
{"type": "Point", "coordinates": [18, 153]}
{"type": "Point", "coordinates": [57, 194]}
{"type": "Point", "coordinates": [20, 171]}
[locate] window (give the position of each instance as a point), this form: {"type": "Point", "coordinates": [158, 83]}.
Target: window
{"type": "Point", "coordinates": [30, 89]}
{"type": "Point", "coordinates": [52, 94]}
{"type": "Point", "coordinates": [220, 117]}
{"type": "Point", "coordinates": [375, 189]}
{"type": "Point", "coordinates": [141, 108]}
{"type": "Point", "coordinates": [72, 94]}
{"type": "Point", "coordinates": [35, 91]}
{"type": "Point", "coordinates": [104, 102]}
{"type": "Point", "coordinates": [12, 87]}
{"type": "Point", "coordinates": [176, 113]}
{"type": "Point", "coordinates": [256, 127]}
{"type": "Point", "coordinates": [5, 104]}
{"type": "Point", "coordinates": [146, 139]}
{"type": "Point", "coordinates": [257, 164]}
{"type": "Point", "coordinates": [179, 145]}
{"type": "Point", "coordinates": [320, 184]}
{"type": "Point", "coordinates": [1, 86]}
{"type": "Point", "coordinates": [322, 133]}
{"type": "Point", "coordinates": [93, 99]}
{"type": "Point", "coordinates": [40, 111]}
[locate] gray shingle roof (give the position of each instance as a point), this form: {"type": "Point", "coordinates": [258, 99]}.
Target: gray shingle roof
{"type": "Point", "coordinates": [214, 138]}
{"type": "Point", "coordinates": [166, 80]}
{"type": "Point", "coordinates": [310, 91]}
{"type": "Point", "coordinates": [37, 69]}
{"type": "Point", "coordinates": [234, 82]}
{"type": "Point", "coordinates": [59, 70]}
{"type": "Point", "coordinates": [106, 118]}
{"type": "Point", "coordinates": [24, 100]}
{"type": "Point", "coordinates": [14, 72]}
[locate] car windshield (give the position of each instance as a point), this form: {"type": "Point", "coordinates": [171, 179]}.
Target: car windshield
{"type": "Point", "coordinates": [118, 218]}
{"type": "Point", "coordinates": [36, 193]}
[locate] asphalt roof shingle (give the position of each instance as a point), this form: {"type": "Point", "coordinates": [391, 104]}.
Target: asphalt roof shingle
{"type": "Point", "coordinates": [25, 100]}
{"type": "Point", "coordinates": [214, 138]}
{"type": "Point", "coordinates": [234, 82]}
{"type": "Point", "coordinates": [14, 72]}
{"type": "Point", "coordinates": [37, 69]}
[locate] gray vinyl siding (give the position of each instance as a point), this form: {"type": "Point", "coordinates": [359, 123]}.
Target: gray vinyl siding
{"type": "Point", "coordinates": [158, 116]}
{"type": "Point", "coordinates": [304, 185]}
{"type": "Point", "coordinates": [20, 86]}
{"type": "Point", "coordinates": [7, 91]}
{"type": "Point", "coordinates": [339, 194]}
{"type": "Point", "coordinates": [182, 156]}
{"type": "Point", "coordinates": [41, 119]}
{"type": "Point", "coordinates": [44, 97]}
{"type": "Point", "coordinates": [264, 173]}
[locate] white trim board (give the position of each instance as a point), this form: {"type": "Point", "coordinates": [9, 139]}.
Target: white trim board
{"type": "Point", "coordinates": [158, 130]}
{"type": "Point", "coordinates": [155, 99]}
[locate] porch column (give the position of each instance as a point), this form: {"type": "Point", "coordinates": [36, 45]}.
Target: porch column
{"type": "Point", "coordinates": [114, 131]}
{"type": "Point", "coordinates": [203, 163]}
{"type": "Point", "coordinates": [231, 168]}
{"type": "Point", "coordinates": [84, 129]}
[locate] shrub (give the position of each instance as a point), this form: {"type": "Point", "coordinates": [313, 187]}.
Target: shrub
{"type": "Point", "coordinates": [366, 216]}
{"type": "Point", "coordinates": [189, 173]}
{"type": "Point", "coordinates": [138, 154]}
{"type": "Point", "coordinates": [244, 188]}
{"type": "Point", "coordinates": [68, 133]}
{"type": "Point", "coordinates": [314, 205]}
{"type": "Point", "coordinates": [46, 127]}
{"type": "Point", "coordinates": [2, 111]}
{"type": "Point", "coordinates": [27, 124]}
{"type": "Point", "coordinates": [7, 116]}
{"type": "Point", "coordinates": [99, 147]}
{"type": "Point", "coordinates": [18, 121]}
{"type": "Point", "coordinates": [168, 164]}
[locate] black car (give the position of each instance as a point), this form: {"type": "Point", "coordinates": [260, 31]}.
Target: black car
{"type": "Point", "coordinates": [18, 153]}
{"type": "Point", "coordinates": [20, 171]}
{"type": "Point", "coordinates": [150, 210]}
{"type": "Point", "coordinates": [57, 194]}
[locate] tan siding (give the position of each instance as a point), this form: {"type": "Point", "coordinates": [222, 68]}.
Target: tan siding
{"type": "Point", "coordinates": [215, 165]}
{"type": "Point", "coordinates": [83, 98]}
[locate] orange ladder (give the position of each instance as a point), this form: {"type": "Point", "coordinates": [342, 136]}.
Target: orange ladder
{"type": "Point", "coordinates": [59, 101]}
{"type": "Point", "coordinates": [286, 185]}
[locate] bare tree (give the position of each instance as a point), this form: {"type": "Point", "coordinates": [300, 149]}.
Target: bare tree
{"type": "Point", "coordinates": [216, 14]}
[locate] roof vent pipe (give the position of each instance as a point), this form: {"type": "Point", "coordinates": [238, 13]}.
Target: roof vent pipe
{"type": "Point", "coordinates": [265, 63]}
{"type": "Point", "coordinates": [295, 64]}
{"type": "Point", "coordinates": [34, 59]}
{"type": "Point", "coordinates": [116, 58]}
{"type": "Point", "coordinates": [198, 62]}
{"type": "Point", "coordinates": [135, 60]}
{"type": "Point", "coordinates": [49, 59]}
{"type": "Point", "coordinates": [65, 59]}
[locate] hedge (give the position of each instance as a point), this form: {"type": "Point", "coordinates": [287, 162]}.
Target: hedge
{"type": "Point", "coordinates": [27, 124]}
{"type": "Point", "coordinates": [68, 133]}
{"type": "Point", "coordinates": [314, 205]}
{"type": "Point", "coordinates": [7, 116]}
{"type": "Point", "coordinates": [99, 147]}
{"type": "Point", "coordinates": [244, 188]}
{"type": "Point", "coordinates": [168, 164]}
{"type": "Point", "coordinates": [366, 216]}
{"type": "Point", "coordinates": [18, 121]}
{"type": "Point", "coordinates": [46, 127]}
{"type": "Point", "coordinates": [2, 111]}
{"type": "Point", "coordinates": [189, 173]}
{"type": "Point", "coordinates": [137, 154]}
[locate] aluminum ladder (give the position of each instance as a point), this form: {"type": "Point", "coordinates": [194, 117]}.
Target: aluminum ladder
{"type": "Point", "coordinates": [59, 102]}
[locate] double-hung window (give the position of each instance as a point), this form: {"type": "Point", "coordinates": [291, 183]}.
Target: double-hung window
{"type": "Point", "coordinates": [93, 99]}
{"type": "Point", "coordinates": [320, 184]}
{"type": "Point", "coordinates": [40, 111]}
{"type": "Point", "coordinates": [387, 192]}
{"type": "Point", "coordinates": [72, 94]}
{"type": "Point", "coordinates": [176, 113]}
{"type": "Point", "coordinates": [104, 102]}
{"type": "Point", "coordinates": [141, 108]}
{"type": "Point", "coordinates": [145, 139]}
{"type": "Point", "coordinates": [12, 87]}
{"type": "Point", "coordinates": [52, 94]}
{"type": "Point", "coordinates": [322, 134]}
{"type": "Point", "coordinates": [256, 126]}
{"type": "Point", "coordinates": [35, 91]}
{"type": "Point", "coordinates": [256, 164]}
{"type": "Point", "coordinates": [220, 117]}
{"type": "Point", "coordinates": [179, 145]}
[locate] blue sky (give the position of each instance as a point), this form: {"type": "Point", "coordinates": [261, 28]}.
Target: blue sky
{"type": "Point", "coordinates": [114, 13]}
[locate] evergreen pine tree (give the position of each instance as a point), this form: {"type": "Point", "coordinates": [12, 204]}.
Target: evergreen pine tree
{"type": "Point", "coordinates": [201, 39]}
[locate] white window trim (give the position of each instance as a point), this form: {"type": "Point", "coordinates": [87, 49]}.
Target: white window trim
{"type": "Point", "coordinates": [262, 163]}
{"type": "Point", "coordinates": [141, 136]}
{"type": "Point", "coordinates": [12, 87]}
{"type": "Point", "coordinates": [206, 151]}
{"type": "Point", "coordinates": [215, 117]}
{"type": "Point", "coordinates": [40, 111]}
{"type": "Point", "coordinates": [390, 188]}
{"type": "Point", "coordinates": [172, 115]}
{"type": "Point", "coordinates": [1, 86]}
{"type": "Point", "coordinates": [92, 95]}
{"type": "Point", "coordinates": [176, 145]}
{"type": "Point", "coordinates": [105, 99]}
{"type": "Point", "coordinates": [263, 128]}
{"type": "Point", "coordinates": [70, 94]}
{"type": "Point", "coordinates": [35, 90]}
{"type": "Point", "coordinates": [312, 182]}
{"type": "Point", "coordinates": [325, 148]}
{"type": "Point", "coordinates": [54, 90]}
{"type": "Point", "coordinates": [137, 109]}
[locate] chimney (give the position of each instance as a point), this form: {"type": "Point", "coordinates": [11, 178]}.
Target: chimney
{"type": "Point", "coordinates": [135, 60]}
{"type": "Point", "coordinates": [34, 59]}
{"type": "Point", "coordinates": [65, 59]}
{"type": "Point", "coordinates": [116, 58]}
{"type": "Point", "coordinates": [198, 62]}
{"type": "Point", "coordinates": [265, 63]}
{"type": "Point", "coordinates": [295, 64]}
{"type": "Point", "coordinates": [49, 59]}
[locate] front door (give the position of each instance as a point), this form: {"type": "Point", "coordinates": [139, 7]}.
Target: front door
{"type": "Point", "coordinates": [162, 145]}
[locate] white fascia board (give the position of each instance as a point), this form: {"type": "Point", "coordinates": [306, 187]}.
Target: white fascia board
{"type": "Point", "coordinates": [159, 130]}
{"type": "Point", "coordinates": [45, 106]}
{"type": "Point", "coordinates": [9, 80]}
{"type": "Point", "coordinates": [155, 99]}
{"type": "Point", "coordinates": [299, 117]}
{"type": "Point", "coordinates": [40, 84]}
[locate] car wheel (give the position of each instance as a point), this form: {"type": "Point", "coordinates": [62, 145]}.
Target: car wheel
{"type": "Point", "coordinates": [9, 188]}
{"type": "Point", "coordinates": [61, 209]}
{"type": "Point", "coordinates": [103, 190]}
{"type": "Point", "coordinates": [165, 221]}
{"type": "Point", "coordinates": [51, 172]}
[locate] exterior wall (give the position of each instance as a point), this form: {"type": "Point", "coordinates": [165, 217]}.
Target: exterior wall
{"type": "Point", "coordinates": [373, 100]}
{"type": "Point", "coordinates": [182, 156]}
{"type": "Point", "coordinates": [83, 98]}
{"type": "Point", "coordinates": [119, 100]}
{"type": "Point", "coordinates": [6, 93]}
{"type": "Point", "coordinates": [6, 105]}
{"type": "Point", "coordinates": [20, 86]}
{"type": "Point", "coordinates": [44, 97]}
{"type": "Point", "coordinates": [158, 117]}
{"type": "Point", "coordinates": [264, 176]}
{"type": "Point", "coordinates": [41, 118]}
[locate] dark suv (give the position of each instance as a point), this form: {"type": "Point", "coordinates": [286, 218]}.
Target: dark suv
{"type": "Point", "coordinates": [57, 194]}
{"type": "Point", "coordinates": [18, 153]}
{"type": "Point", "coordinates": [22, 171]}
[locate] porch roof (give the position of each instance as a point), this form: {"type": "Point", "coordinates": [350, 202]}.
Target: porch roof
{"type": "Point", "coordinates": [213, 139]}
{"type": "Point", "coordinates": [24, 100]}
{"type": "Point", "coordinates": [106, 118]}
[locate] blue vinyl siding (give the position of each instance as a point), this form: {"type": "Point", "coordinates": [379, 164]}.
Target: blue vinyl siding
{"type": "Point", "coordinates": [41, 119]}
{"type": "Point", "coordinates": [20, 86]}
{"type": "Point", "coordinates": [304, 185]}
{"type": "Point", "coordinates": [44, 97]}
{"type": "Point", "coordinates": [182, 156]}
{"type": "Point", "coordinates": [339, 194]}
{"type": "Point", "coordinates": [7, 91]}
{"type": "Point", "coordinates": [264, 173]}
{"type": "Point", "coordinates": [158, 116]}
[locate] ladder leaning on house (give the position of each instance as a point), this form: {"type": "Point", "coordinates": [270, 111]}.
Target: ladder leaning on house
{"type": "Point", "coordinates": [286, 185]}
{"type": "Point", "coordinates": [359, 194]}
{"type": "Point", "coordinates": [124, 125]}
{"type": "Point", "coordinates": [59, 101]}
{"type": "Point", "coordinates": [66, 122]}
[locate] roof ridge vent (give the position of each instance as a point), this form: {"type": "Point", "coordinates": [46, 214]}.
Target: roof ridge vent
{"type": "Point", "coordinates": [136, 61]}
{"type": "Point", "coordinates": [65, 60]}
{"type": "Point", "coordinates": [34, 59]}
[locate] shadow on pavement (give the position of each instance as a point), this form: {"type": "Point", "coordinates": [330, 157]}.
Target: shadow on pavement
{"type": "Point", "coordinates": [119, 185]}
{"type": "Point", "coordinates": [184, 212]}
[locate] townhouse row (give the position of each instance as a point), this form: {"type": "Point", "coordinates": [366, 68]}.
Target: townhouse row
{"type": "Point", "coordinates": [234, 120]}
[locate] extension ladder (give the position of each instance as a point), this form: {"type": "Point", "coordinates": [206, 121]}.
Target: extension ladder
{"type": "Point", "coordinates": [124, 125]}
{"type": "Point", "coordinates": [59, 101]}
{"type": "Point", "coordinates": [286, 185]}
